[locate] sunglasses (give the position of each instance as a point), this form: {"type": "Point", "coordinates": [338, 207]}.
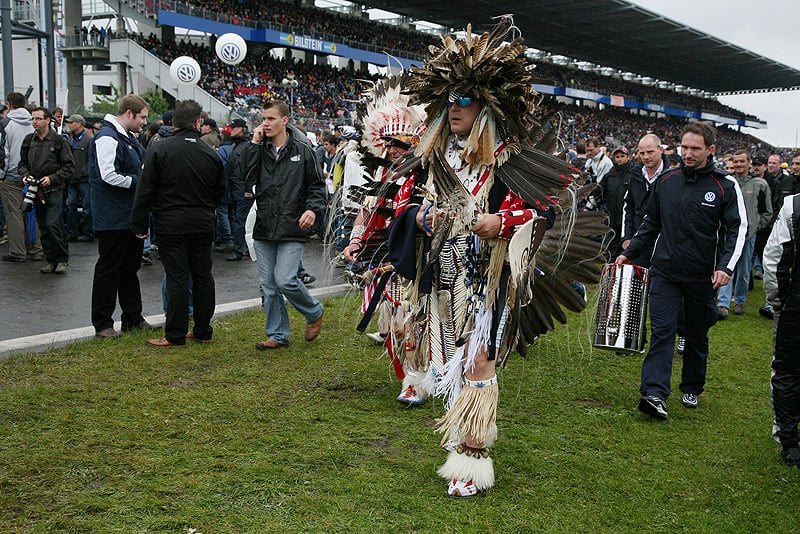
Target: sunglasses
{"type": "Point", "coordinates": [461, 101]}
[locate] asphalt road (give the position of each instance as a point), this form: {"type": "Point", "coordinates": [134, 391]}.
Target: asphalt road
{"type": "Point", "coordinates": [33, 303]}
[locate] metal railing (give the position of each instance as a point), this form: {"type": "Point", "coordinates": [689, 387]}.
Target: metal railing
{"type": "Point", "coordinates": [176, 6]}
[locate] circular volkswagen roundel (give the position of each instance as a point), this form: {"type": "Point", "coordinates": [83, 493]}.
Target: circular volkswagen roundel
{"type": "Point", "coordinates": [231, 48]}
{"type": "Point", "coordinates": [185, 70]}
{"type": "Point", "coordinates": [710, 196]}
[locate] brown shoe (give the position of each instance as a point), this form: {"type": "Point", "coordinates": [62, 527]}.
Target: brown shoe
{"type": "Point", "coordinates": [738, 309]}
{"type": "Point", "coordinates": [270, 344]}
{"type": "Point", "coordinates": [162, 343]}
{"type": "Point", "coordinates": [190, 335]}
{"type": "Point", "coordinates": [107, 333]}
{"type": "Point", "coordinates": [312, 329]}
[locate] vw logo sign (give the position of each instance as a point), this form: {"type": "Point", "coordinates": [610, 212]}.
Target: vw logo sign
{"type": "Point", "coordinates": [230, 53]}
{"type": "Point", "coordinates": [186, 73]}
{"type": "Point", "coordinates": [231, 48]}
{"type": "Point", "coordinates": [184, 70]}
{"type": "Point", "coordinates": [710, 196]}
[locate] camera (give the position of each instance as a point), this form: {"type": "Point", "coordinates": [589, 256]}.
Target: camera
{"type": "Point", "coordinates": [30, 194]}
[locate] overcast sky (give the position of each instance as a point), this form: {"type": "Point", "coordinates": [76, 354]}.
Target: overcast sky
{"type": "Point", "coordinates": [766, 27]}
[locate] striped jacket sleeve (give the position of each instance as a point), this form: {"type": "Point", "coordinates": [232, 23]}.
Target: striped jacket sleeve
{"type": "Point", "coordinates": [734, 219]}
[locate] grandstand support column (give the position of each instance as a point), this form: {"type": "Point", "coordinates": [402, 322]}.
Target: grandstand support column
{"type": "Point", "coordinates": [50, 53]}
{"type": "Point", "coordinates": [168, 34]}
{"type": "Point", "coordinates": [72, 19]}
{"type": "Point", "coordinates": [122, 69]}
{"type": "Point", "coordinates": [8, 56]}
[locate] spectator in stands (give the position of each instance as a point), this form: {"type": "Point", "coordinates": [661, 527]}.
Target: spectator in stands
{"type": "Point", "coordinates": [46, 161]}
{"type": "Point", "coordinates": [182, 182]}
{"type": "Point", "coordinates": [758, 206]}
{"type": "Point", "coordinates": [19, 125]}
{"type": "Point", "coordinates": [115, 161]}
{"type": "Point", "coordinates": [689, 262]}
{"type": "Point", "coordinates": [79, 223]}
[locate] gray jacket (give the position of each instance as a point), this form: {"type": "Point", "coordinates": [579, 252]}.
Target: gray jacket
{"type": "Point", "coordinates": [757, 202]}
{"type": "Point", "coordinates": [19, 126]}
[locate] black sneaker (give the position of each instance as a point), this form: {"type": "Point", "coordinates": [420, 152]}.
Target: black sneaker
{"type": "Point", "coordinates": [767, 313]}
{"type": "Point", "coordinates": [653, 406]}
{"type": "Point", "coordinates": [307, 279]}
{"type": "Point", "coordinates": [147, 259]}
{"type": "Point", "coordinates": [791, 457]}
{"type": "Point", "coordinates": [234, 257]}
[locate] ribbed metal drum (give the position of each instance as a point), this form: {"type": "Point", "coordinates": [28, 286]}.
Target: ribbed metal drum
{"type": "Point", "coordinates": [622, 309]}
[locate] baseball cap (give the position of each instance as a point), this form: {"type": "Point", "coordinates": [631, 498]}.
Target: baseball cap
{"type": "Point", "coordinates": [759, 160]}
{"type": "Point", "coordinates": [166, 118]}
{"type": "Point", "coordinates": [238, 123]}
{"type": "Point", "coordinates": [76, 118]}
{"type": "Point", "coordinates": [622, 149]}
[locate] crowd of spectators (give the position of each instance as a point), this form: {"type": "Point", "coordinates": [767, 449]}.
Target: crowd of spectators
{"type": "Point", "coordinates": [327, 95]}
{"type": "Point", "coordinates": [352, 29]}
{"type": "Point", "coordinates": [619, 127]}
{"type": "Point", "coordinates": [564, 76]}
{"type": "Point", "coordinates": [324, 94]}
{"type": "Point", "coordinates": [314, 22]}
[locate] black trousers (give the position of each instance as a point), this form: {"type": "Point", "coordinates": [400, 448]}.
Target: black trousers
{"type": "Point", "coordinates": [785, 383]}
{"type": "Point", "coordinates": [115, 275]}
{"type": "Point", "coordinates": [187, 261]}
{"type": "Point", "coordinates": [51, 227]}
{"type": "Point", "coordinates": [667, 299]}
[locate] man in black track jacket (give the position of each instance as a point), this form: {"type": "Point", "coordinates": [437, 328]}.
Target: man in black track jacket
{"type": "Point", "coordinates": [696, 224]}
{"type": "Point", "coordinates": [182, 184]}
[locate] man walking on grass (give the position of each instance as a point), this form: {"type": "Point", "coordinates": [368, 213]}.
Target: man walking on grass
{"type": "Point", "coordinates": [696, 225]}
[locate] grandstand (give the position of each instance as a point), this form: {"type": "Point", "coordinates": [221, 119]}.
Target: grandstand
{"type": "Point", "coordinates": [334, 56]}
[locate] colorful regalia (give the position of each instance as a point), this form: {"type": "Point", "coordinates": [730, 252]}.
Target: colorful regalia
{"type": "Point", "coordinates": [471, 299]}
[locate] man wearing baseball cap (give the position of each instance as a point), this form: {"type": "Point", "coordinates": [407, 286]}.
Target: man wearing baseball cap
{"type": "Point", "coordinates": [236, 138]}
{"type": "Point", "coordinates": [79, 224]}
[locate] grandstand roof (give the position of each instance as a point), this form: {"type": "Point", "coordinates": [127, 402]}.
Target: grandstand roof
{"type": "Point", "coordinates": [617, 34]}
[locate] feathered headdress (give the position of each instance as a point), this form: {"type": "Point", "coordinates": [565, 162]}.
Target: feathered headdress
{"type": "Point", "coordinates": [389, 116]}
{"type": "Point", "coordinates": [485, 68]}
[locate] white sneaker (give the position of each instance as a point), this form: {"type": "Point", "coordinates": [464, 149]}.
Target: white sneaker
{"type": "Point", "coordinates": [410, 396]}
{"type": "Point", "coordinates": [462, 488]}
{"type": "Point", "coordinates": [690, 400]}
{"type": "Point", "coordinates": [377, 337]}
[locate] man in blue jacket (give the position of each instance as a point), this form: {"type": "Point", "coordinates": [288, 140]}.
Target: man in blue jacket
{"type": "Point", "coordinates": [696, 224]}
{"type": "Point", "coordinates": [289, 196]}
{"type": "Point", "coordinates": [115, 161]}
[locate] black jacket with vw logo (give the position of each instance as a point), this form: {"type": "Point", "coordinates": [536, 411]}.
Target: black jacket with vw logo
{"type": "Point", "coordinates": [697, 223]}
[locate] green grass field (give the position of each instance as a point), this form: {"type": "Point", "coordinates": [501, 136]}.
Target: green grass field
{"type": "Point", "coordinates": [113, 436]}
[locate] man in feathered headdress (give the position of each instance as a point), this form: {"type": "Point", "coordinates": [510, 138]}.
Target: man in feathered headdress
{"type": "Point", "coordinates": [479, 101]}
{"type": "Point", "coordinates": [392, 130]}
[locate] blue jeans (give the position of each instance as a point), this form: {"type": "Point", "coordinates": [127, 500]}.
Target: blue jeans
{"type": "Point", "coordinates": [277, 273]}
{"type": "Point", "coordinates": [79, 224]}
{"type": "Point", "coordinates": [224, 234]}
{"type": "Point", "coordinates": [740, 279]}
{"type": "Point", "coordinates": [241, 207]}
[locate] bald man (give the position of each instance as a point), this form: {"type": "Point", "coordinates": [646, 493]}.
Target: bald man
{"type": "Point", "coordinates": [653, 164]}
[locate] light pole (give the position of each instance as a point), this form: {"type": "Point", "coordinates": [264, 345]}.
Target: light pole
{"type": "Point", "coordinates": [291, 83]}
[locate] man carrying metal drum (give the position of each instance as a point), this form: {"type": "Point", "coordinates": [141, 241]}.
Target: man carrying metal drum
{"type": "Point", "coordinates": [696, 225]}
